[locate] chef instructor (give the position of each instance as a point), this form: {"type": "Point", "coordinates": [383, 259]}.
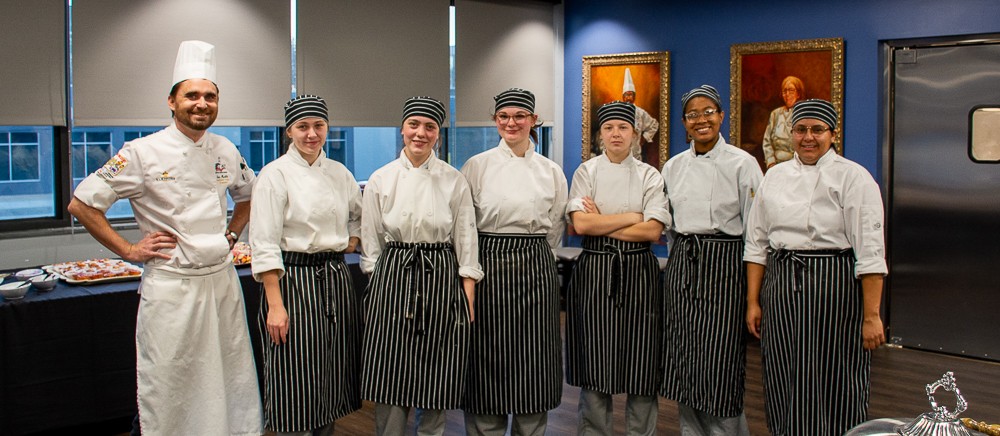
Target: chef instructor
{"type": "Point", "coordinates": [194, 363]}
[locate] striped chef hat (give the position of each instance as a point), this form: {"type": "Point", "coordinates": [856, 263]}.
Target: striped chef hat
{"type": "Point", "coordinates": [815, 109]}
{"type": "Point", "coordinates": [424, 107]}
{"type": "Point", "coordinates": [706, 91]}
{"type": "Point", "coordinates": [515, 97]}
{"type": "Point", "coordinates": [616, 110]}
{"type": "Point", "coordinates": [305, 106]}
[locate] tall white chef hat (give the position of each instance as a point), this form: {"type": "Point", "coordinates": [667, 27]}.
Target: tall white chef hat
{"type": "Point", "coordinates": [628, 86]}
{"type": "Point", "coordinates": [195, 60]}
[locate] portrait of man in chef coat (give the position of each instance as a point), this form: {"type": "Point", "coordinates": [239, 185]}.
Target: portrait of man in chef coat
{"type": "Point", "coordinates": [633, 78]}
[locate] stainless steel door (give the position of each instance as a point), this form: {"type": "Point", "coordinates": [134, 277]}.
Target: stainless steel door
{"type": "Point", "coordinates": [944, 241]}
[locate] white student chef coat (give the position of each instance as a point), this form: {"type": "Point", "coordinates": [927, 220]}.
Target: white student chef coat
{"type": "Point", "coordinates": [517, 194]}
{"type": "Point", "coordinates": [631, 186]}
{"type": "Point", "coordinates": [834, 204]}
{"type": "Point", "coordinates": [430, 203]}
{"type": "Point", "coordinates": [711, 193]}
{"type": "Point", "coordinates": [302, 208]}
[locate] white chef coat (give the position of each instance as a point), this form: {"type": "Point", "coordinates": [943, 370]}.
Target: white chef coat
{"type": "Point", "coordinates": [631, 186]}
{"type": "Point", "coordinates": [430, 203]}
{"type": "Point", "coordinates": [302, 208]}
{"type": "Point", "coordinates": [646, 127]}
{"type": "Point", "coordinates": [178, 186]}
{"type": "Point", "coordinates": [517, 194]}
{"type": "Point", "coordinates": [834, 204]}
{"type": "Point", "coordinates": [711, 193]}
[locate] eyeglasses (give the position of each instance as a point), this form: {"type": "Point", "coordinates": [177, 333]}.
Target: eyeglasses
{"type": "Point", "coordinates": [518, 118]}
{"type": "Point", "coordinates": [694, 116]}
{"type": "Point", "coordinates": [816, 130]}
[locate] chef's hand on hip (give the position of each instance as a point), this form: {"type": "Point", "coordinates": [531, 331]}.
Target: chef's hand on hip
{"type": "Point", "coordinates": [277, 324]}
{"type": "Point", "coordinates": [150, 247]}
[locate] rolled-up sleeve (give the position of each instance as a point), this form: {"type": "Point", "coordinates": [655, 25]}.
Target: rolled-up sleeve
{"type": "Point", "coordinates": [655, 200]}
{"type": "Point", "coordinates": [756, 242]}
{"type": "Point", "coordinates": [372, 227]}
{"type": "Point", "coordinates": [464, 232]}
{"type": "Point", "coordinates": [270, 196]}
{"type": "Point", "coordinates": [864, 224]}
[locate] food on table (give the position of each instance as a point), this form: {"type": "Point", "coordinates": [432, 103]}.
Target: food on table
{"type": "Point", "coordinates": [96, 269]}
{"type": "Point", "coordinates": [241, 253]}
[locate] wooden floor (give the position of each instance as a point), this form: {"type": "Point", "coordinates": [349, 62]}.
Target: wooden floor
{"type": "Point", "coordinates": [898, 378]}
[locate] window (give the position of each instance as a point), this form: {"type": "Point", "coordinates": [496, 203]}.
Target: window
{"type": "Point", "coordinates": [263, 148]}
{"type": "Point", "coordinates": [27, 187]}
{"type": "Point", "coordinates": [19, 159]}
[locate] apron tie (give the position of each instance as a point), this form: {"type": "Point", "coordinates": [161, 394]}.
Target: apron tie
{"type": "Point", "coordinates": [417, 265]}
{"type": "Point", "coordinates": [798, 264]}
{"type": "Point", "coordinates": [617, 255]}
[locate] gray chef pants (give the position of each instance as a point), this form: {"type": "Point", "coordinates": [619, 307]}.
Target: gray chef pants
{"type": "Point", "coordinates": [697, 423]}
{"type": "Point", "coordinates": [390, 420]}
{"type": "Point", "coordinates": [524, 424]}
{"type": "Point", "coordinates": [326, 430]}
{"type": "Point", "coordinates": [595, 414]}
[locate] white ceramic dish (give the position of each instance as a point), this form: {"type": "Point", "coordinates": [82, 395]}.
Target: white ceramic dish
{"type": "Point", "coordinates": [28, 273]}
{"type": "Point", "coordinates": [44, 282]}
{"type": "Point", "coordinates": [14, 290]}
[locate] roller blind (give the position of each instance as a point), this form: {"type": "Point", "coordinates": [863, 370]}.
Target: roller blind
{"type": "Point", "coordinates": [124, 51]}
{"type": "Point", "coordinates": [367, 58]}
{"type": "Point", "coordinates": [33, 66]}
{"type": "Point", "coordinates": [501, 45]}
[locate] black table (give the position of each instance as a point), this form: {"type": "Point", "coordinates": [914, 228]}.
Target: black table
{"type": "Point", "coordinates": [67, 356]}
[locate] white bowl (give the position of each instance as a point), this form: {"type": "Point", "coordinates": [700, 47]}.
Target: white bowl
{"type": "Point", "coordinates": [14, 290]}
{"type": "Point", "coordinates": [28, 273]}
{"type": "Point", "coordinates": [45, 282]}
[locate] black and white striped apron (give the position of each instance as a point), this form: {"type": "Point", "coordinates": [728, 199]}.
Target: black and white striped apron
{"type": "Point", "coordinates": [815, 369]}
{"type": "Point", "coordinates": [416, 343]}
{"type": "Point", "coordinates": [516, 363]}
{"type": "Point", "coordinates": [705, 290]}
{"type": "Point", "coordinates": [614, 318]}
{"type": "Point", "coordinates": [313, 379]}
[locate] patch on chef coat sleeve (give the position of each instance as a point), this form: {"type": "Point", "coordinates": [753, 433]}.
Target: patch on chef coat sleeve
{"type": "Point", "coordinates": [245, 169]}
{"type": "Point", "coordinates": [114, 166]}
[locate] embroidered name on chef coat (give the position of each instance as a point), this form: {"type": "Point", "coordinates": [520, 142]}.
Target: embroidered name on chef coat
{"type": "Point", "coordinates": [114, 166]}
{"type": "Point", "coordinates": [165, 178]}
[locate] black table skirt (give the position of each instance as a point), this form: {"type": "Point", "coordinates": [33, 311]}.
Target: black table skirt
{"type": "Point", "coordinates": [67, 356]}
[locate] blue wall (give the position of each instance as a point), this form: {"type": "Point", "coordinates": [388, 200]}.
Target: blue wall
{"type": "Point", "coordinates": [698, 36]}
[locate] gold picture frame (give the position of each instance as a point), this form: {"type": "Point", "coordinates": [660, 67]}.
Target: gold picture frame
{"type": "Point", "coordinates": [758, 72]}
{"type": "Point", "coordinates": [649, 72]}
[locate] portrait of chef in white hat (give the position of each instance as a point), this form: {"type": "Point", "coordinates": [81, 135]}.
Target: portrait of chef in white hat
{"type": "Point", "coordinates": [194, 362]}
{"type": "Point", "coordinates": [645, 125]}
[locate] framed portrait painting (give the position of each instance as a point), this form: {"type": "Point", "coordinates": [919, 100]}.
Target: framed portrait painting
{"type": "Point", "coordinates": [767, 78]}
{"type": "Point", "coordinates": [638, 78]}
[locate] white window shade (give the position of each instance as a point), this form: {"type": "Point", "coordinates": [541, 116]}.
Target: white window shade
{"type": "Point", "coordinates": [502, 45]}
{"type": "Point", "coordinates": [33, 66]}
{"type": "Point", "coordinates": [367, 58]}
{"type": "Point", "coordinates": [124, 52]}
